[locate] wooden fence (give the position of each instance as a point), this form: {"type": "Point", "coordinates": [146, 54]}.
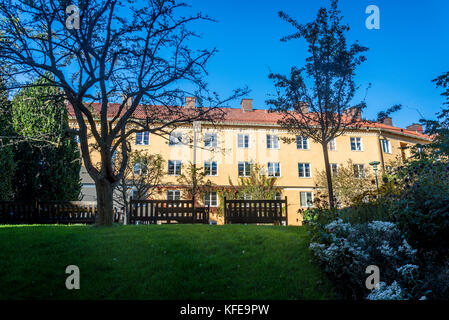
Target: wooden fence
{"type": "Point", "coordinates": [168, 211]}
{"type": "Point", "coordinates": [13, 212]}
{"type": "Point", "coordinates": [255, 211]}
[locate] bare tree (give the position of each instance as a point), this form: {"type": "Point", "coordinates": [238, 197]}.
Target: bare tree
{"type": "Point", "coordinates": [315, 100]}
{"type": "Point", "coordinates": [103, 50]}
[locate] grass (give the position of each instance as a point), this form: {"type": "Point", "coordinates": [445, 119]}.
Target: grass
{"type": "Point", "coordinates": [160, 262]}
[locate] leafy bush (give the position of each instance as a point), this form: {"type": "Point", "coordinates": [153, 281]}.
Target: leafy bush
{"type": "Point", "coordinates": [422, 208]}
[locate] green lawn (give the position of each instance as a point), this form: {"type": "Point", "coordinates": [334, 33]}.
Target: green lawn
{"type": "Point", "coordinates": [160, 262]}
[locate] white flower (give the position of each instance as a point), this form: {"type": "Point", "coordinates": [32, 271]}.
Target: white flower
{"type": "Point", "coordinates": [384, 292]}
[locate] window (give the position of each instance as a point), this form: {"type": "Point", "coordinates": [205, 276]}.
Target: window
{"type": "Point", "coordinates": [304, 170]}
{"type": "Point", "coordinates": [210, 168]}
{"type": "Point", "coordinates": [274, 169]}
{"type": "Point", "coordinates": [332, 145]}
{"type": "Point", "coordinates": [302, 143]}
{"type": "Point", "coordinates": [277, 195]}
{"type": "Point", "coordinates": [356, 144]}
{"type": "Point", "coordinates": [141, 168]}
{"type": "Point", "coordinates": [359, 170]}
{"type": "Point", "coordinates": [139, 194]}
{"type": "Point", "coordinates": [211, 199]}
{"type": "Point", "coordinates": [142, 138]}
{"type": "Point", "coordinates": [386, 146]}
{"type": "Point", "coordinates": [175, 139]}
{"type": "Point", "coordinates": [272, 141]}
{"type": "Point", "coordinates": [174, 167]}
{"type": "Point", "coordinates": [173, 195]}
{"type": "Point", "coordinates": [334, 168]}
{"type": "Point", "coordinates": [245, 196]}
{"type": "Point", "coordinates": [210, 140]}
{"type": "Point", "coordinates": [244, 169]}
{"type": "Point", "coordinates": [243, 141]}
{"type": "Point", "coordinates": [306, 199]}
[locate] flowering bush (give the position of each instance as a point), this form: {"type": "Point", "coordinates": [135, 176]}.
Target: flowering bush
{"type": "Point", "coordinates": [348, 250]}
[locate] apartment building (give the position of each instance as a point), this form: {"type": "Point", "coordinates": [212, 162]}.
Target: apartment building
{"type": "Point", "coordinates": [248, 136]}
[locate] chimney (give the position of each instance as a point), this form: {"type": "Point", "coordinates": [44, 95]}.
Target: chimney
{"type": "Point", "coordinates": [354, 112]}
{"type": "Point", "coordinates": [387, 121]}
{"type": "Point", "coordinates": [247, 105]}
{"type": "Point", "coordinates": [415, 127]}
{"type": "Point", "coordinates": [191, 102]}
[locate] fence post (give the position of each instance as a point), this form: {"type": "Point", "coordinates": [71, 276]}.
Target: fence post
{"type": "Point", "coordinates": [224, 210]}
{"type": "Point", "coordinates": [128, 214]}
{"type": "Point", "coordinates": [193, 209]}
{"type": "Point", "coordinates": [286, 211]}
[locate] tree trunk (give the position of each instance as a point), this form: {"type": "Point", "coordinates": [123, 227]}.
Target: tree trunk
{"type": "Point", "coordinates": [328, 176]}
{"type": "Point", "coordinates": [105, 215]}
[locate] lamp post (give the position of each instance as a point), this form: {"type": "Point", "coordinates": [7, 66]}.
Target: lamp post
{"type": "Point", "coordinates": [374, 164]}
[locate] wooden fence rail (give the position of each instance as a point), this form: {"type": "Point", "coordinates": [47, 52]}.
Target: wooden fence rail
{"type": "Point", "coordinates": [255, 211]}
{"type": "Point", "coordinates": [180, 211]}
{"type": "Point", "coordinates": [13, 212]}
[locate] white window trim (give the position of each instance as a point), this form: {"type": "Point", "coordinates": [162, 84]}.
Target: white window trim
{"type": "Point", "coordinates": [364, 170]}
{"type": "Point", "coordinates": [244, 162]}
{"type": "Point", "coordinates": [300, 204]}
{"type": "Point", "coordinates": [361, 144]}
{"type": "Point", "coordinates": [389, 146]}
{"type": "Point", "coordinates": [174, 174]}
{"type": "Point", "coordinates": [335, 143]}
{"type": "Point", "coordinates": [210, 200]}
{"type": "Point", "coordinates": [179, 142]}
{"type": "Point", "coordinates": [211, 175]}
{"type": "Point", "coordinates": [310, 170]}
{"type": "Point", "coordinates": [211, 134]}
{"type": "Point", "coordinates": [268, 170]}
{"type": "Point", "coordinates": [249, 141]}
{"type": "Point", "coordinates": [278, 140]}
{"type": "Point", "coordinates": [308, 142]}
{"type": "Point", "coordinates": [180, 194]}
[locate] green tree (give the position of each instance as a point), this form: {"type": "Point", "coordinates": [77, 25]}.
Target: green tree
{"type": "Point", "coordinates": [194, 177]}
{"type": "Point", "coordinates": [47, 156]}
{"type": "Point", "coordinates": [7, 165]}
{"type": "Point", "coordinates": [316, 99]}
{"type": "Point", "coordinates": [144, 173]}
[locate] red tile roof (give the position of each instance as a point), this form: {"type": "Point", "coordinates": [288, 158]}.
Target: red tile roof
{"type": "Point", "coordinates": [236, 116]}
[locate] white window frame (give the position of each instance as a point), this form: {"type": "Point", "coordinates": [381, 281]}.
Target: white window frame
{"type": "Point", "coordinates": [208, 199]}
{"type": "Point", "coordinates": [359, 165]}
{"type": "Point", "coordinates": [210, 168]}
{"type": "Point", "coordinates": [210, 140]}
{"type": "Point", "coordinates": [304, 170]}
{"type": "Point", "coordinates": [273, 141]}
{"type": "Point", "coordinates": [300, 143]}
{"type": "Point", "coordinates": [175, 162]}
{"type": "Point", "coordinates": [355, 143]}
{"type": "Point", "coordinates": [175, 139]}
{"type": "Point", "coordinates": [336, 168]}
{"type": "Point", "coordinates": [140, 138]}
{"type": "Point", "coordinates": [306, 193]}
{"type": "Point", "coordinates": [271, 169]}
{"type": "Point", "coordinates": [333, 143]}
{"type": "Point", "coordinates": [386, 143]}
{"type": "Point", "coordinates": [175, 195]}
{"type": "Point", "coordinates": [139, 170]}
{"type": "Point", "coordinates": [244, 139]}
{"type": "Point", "coordinates": [245, 174]}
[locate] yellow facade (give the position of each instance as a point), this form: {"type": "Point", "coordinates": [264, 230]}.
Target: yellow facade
{"type": "Point", "coordinates": [227, 154]}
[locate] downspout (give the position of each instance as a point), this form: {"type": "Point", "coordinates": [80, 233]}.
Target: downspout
{"type": "Point", "coordinates": [381, 151]}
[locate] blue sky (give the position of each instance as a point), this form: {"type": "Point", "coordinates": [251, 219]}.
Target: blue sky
{"type": "Point", "coordinates": [410, 49]}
